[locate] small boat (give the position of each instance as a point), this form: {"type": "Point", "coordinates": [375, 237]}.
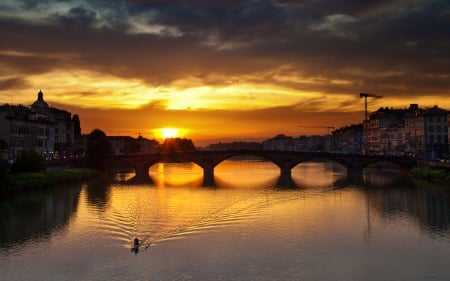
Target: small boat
{"type": "Point", "coordinates": [135, 247]}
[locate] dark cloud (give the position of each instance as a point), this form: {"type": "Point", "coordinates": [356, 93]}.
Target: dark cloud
{"type": "Point", "coordinates": [342, 6]}
{"type": "Point", "coordinates": [30, 4]}
{"type": "Point", "coordinates": [13, 83]}
{"type": "Point", "coordinates": [27, 64]}
{"type": "Point", "coordinates": [77, 17]}
{"type": "Point", "coordinates": [380, 46]}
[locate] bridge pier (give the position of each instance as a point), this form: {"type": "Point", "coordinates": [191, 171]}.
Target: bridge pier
{"type": "Point", "coordinates": [208, 173]}
{"type": "Point", "coordinates": [355, 172]}
{"type": "Point", "coordinates": [141, 170]}
{"type": "Point", "coordinates": [285, 160]}
{"type": "Point", "coordinates": [357, 166]}
{"type": "Point", "coordinates": [285, 179]}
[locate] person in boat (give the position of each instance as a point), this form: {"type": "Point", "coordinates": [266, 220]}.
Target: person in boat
{"type": "Point", "coordinates": [136, 242]}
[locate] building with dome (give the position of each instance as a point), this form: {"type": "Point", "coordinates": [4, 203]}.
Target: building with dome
{"type": "Point", "coordinates": [49, 131]}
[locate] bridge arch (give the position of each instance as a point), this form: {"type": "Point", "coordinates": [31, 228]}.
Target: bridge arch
{"type": "Point", "coordinates": [312, 158]}
{"type": "Point", "coordinates": [397, 164]}
{"type": "Point", "coordinates": [285, 160]}
{"type": "Point", "coordinates": [141, 165]}
{"type": "Point", "coordinates": [209, 161]}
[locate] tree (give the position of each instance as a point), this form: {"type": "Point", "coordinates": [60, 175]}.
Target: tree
{"type": "Point", "coordinates": [3, 171]}
{"type": "Point", "coordinates": [177, 145]}
{"type": "Point", "coordinates": [76, 126]}
{"type": "Point", "coordinates": [98, 151]}
{"type": "Point", "coordinates": [28, 161]}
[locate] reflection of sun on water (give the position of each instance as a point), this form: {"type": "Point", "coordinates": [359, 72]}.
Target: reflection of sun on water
{"type": "Point", "coordinates": [317, 174]}
{"type": "Point", "coordinates": [176, 174]}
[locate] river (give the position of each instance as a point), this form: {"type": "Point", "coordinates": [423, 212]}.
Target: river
{"type": "Point", "coordinates": [244, 228]}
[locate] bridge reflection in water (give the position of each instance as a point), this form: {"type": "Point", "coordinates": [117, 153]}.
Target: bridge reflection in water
{"type": "Point", "coordinates": [285, 160]}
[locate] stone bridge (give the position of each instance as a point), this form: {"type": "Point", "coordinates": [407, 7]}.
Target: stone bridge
{"type": "Point", "coordinates": [285, 160]}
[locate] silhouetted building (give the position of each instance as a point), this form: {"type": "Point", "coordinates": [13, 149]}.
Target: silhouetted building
{"type": "Point", "coordinates": [237, 145]}
{"type": "Point", "coordinates": [385, 131]}
{"type": "Point", "coordinates": [48, 131]}
{"type": "Point", "coordinates": [302, 143]}
{"type": "Point", "coordinates": [436, 132]}
{"type": "Point", "coordinates": [127, 145]}
{"type": "Point", "coordinates": [279, 143]}
{"type": "Point", "coordinates": [348, 139]}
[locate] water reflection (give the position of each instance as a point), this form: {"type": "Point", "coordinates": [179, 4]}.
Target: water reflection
{"type": "Point", "coordinates": [320, 175]}
{"type": "Point", "coordinates": [244, 229]}
{"type": "Point", "coordinates": [36, 215]}
{"type": "Point", "coordinates": [98, 192]}
{"type": "Point", "coordinates": [176, 174]}
{"type": "Point", "coordinates": [395, 194]}
{"type": "Point", "coordinates": [246, 174]}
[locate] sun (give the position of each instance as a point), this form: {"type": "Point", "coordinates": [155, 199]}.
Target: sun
{"type": "Point", "coordinates": [169, 132]}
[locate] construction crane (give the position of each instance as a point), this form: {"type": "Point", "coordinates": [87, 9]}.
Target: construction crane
{"type": "Point", "coordinates": [325, 127]}
{"type": "Point", "coordinates": [365, 96]}
{"type": "Point", "coordinates": [366, 144]}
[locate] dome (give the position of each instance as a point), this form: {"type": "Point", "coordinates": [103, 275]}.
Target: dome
{"type": "Point", "coordinates": [40, 103]}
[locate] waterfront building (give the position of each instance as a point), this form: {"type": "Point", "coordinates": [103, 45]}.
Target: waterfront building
{"type": "Point", "coordinates": [39, 127]}
{"type": "Point", "coordinates": [385, 132]}
{"type": "Point", "coordinates": [436, 133]}
{"type": "Point", "coordinates": [428, 134]}
{"type": "Point", "coordinates": [236, 145]}
{"type": "Point", "coordinates": [448, 135]}
{"type": "Point", "coordinates": [279, 143]}
{"type": "Point", "coordinates": [127, 144]}
{"type": "Point", "coordinates": [315, 143]}
{"type": "Point", "coordinates": [415, 136]}
{"type": "Point", "coordinates": [147, 145]}
{"type": "Point", "coordinates": [348, 139]}
{"type": "Point", "coordinates": [392, 140]}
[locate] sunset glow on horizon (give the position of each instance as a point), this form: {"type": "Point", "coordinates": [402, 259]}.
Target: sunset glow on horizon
{"type": "Point", "coordinates": [138, 66]}
{"type": "Point", "coordinates": [169, 132]}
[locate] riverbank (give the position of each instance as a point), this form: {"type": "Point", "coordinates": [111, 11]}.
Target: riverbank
{"type": "Point", "coordinates": [437, 175]}
{"type": "Point", "coordinates": [24, 182]}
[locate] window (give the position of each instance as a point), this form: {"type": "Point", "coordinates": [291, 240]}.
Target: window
{"type": "Point", "coordinates": [431, 128]}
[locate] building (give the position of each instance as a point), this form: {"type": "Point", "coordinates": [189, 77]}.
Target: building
{"type": "Point", "coordinates": [428, 134]}
{"type": "Point", "coordinates": [448, 133]}
{"type": "Point", "coordinates": [46, 130]}
{"type": "Point", "coordinates": [348, 139]}
{"type": "Point", "coordinates": [236, 145]}
{"type": "Point", "coordinates": [302, 143]}
{"type": "Point", "coordinates": [385, 130]}
{"type": "Point", "coordinates": [421, 133]}
{"type": "Point", "coordinates": [279, 143]}
{"type": "Point", "coordinates": [436, 133]}
{"type": "Point", "coordinates": [127, 144]}
{"type": "Point", "coordinates": [415, 136]}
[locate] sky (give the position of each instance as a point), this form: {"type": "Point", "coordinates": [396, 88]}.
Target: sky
{"type": "Point", "coordinates": [224, 70]}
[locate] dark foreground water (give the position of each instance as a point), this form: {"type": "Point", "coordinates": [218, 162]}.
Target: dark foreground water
{"type": "Point", "coordinates": [244, 229]}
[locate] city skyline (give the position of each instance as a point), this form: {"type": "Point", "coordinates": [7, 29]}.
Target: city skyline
{"type": "Point", "coordinates": [228, 70]}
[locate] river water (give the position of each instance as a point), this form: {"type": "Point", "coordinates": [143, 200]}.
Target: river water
{"type": "Point", "coordinates": [245, 228]}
